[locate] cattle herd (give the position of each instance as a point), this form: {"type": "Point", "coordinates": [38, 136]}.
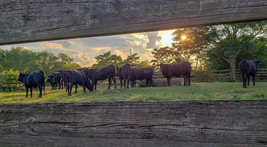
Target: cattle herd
{"type": "Point", "coordinates": [87, 78]}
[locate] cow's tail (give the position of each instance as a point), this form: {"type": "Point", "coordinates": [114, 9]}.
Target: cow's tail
{"type": "Point", "coordinates": [44, 76]}
{"type": "Point", "coordinates": [128, 71]}
{"type": "Point", "coordinates": [115, 70]}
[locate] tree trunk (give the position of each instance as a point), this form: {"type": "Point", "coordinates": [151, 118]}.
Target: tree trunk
{"type": "Point", "coordinates": [233, 67]}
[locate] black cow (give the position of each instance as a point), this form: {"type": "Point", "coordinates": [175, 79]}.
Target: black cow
{"type": "Point", "coordinates": [66, 77]}
{"type": "Point", "coordinates": [142, 74]}
{"type": "Point", "coordinates": [124, 73]}
{"type": "Point", "coordinates": [248, 68]}
{"type": "Point", "coordinates": [35, 79]}
{"type": "Point", "coordinates": [176, 70]}
{"type": "Point", "coordinates": [51, 81]}
{"type": "Point", "coordinates": [103, 73]}
{"type": "Point", "coordinates": [79, 78]}
{"type": "Point", "coordinates": [56, 80]}
{"type": "Point", "coordinates": [88, 72]}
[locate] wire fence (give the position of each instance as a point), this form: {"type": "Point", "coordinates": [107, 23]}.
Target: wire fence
{"type": "Point", "coordinates": [219, 75]}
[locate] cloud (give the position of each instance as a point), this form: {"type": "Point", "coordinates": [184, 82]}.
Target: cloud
{"type": "Point", "coordinates": [83, 50]}
{"type": "Point", "coordinates": [153, 38]}
{"type": "Point", "coordinates": [121, 53]}
{"type": "Point", "coordinates": [64, 43]}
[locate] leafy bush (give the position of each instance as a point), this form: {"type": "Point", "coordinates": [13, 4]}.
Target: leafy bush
{"type": "Point", "coordinates": [8, 80]}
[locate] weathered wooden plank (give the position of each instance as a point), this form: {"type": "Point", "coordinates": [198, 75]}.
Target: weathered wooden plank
{"type": "Point", "coordinates": [168, 123]}
{"type": "Point", "coordinates": [28, 21]}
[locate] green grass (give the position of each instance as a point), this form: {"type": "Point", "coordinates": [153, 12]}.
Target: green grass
{"type": "Point", "coordinates": [198, 91]}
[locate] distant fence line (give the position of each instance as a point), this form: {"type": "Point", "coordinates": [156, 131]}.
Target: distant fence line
{"type": "Point", "coordinates": [219, 75]}
{"type": "Point", "coordinates": [9, 83]}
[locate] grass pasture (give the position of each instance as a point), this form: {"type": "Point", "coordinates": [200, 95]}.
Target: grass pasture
{"type": "Point", "coordinates": [198, 91]}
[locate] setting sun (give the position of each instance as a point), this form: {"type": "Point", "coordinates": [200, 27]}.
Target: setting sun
{"type": "Point", "coordinates": [183, 37]}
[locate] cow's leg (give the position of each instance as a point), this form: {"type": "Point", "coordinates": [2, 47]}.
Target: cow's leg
{"type": "Point", "coordinates": [254, 76]}
{"type": "Point", "coordinates": [169, 81]}
{"type": "Point", "coordinates": [31, 91]}
{"type": "Point", "coordinates": [244, 80]}
{"type": "Point", "coordinates": [248, 79]}
{"type": "Point", "coordinates": [147, 82]}
{"type": "Point", "coordinates": [40, 89]}
{"type": "Point", "coordinates": [132, 83]}
{"type": "Point", "coordinates": [70, 89]}
{"type": "Point", "coordinates": [189, 80]}
{"type": "Point", "coordinates": [151, 82]}
{"type": "Point", "coordinates": [67, 87]}
{"type": "Point", "coordinates": [76, 86]}
{"type": "Point", "coordinates": [121, 82]}
{"type": "Point", "coordinates": [27, 92]}
{"type": "Point", "coordinates": [185, 79]}
{"type": "Point", "coordinates": [109, 83]}
{"type": "Point", "coordinates": [114, 81]}
{"type": "Point", "coordinates": [84, 89]}
{"type": "Point", "coordinates": [128, 83]}
{"type": "Point", "coordinates": [124, 83]}
{"type": "Point", "coordinates": [95, 84]}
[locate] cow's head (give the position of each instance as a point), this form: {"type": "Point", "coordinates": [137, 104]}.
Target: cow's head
{"type": "Point", "coordinates": [117, 71]}
{"type": "Point", "coordinates": [162, 67]}
{"type": "Point", "coordinates": [257, 62]}
{"type": "Point", "coordinates": [50, 79]}
{"type": "Point", "coordinates": [89, 85]}
{"type": "Point", "coordinates": [21, 77]}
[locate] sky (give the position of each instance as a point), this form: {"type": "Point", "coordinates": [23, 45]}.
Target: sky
{"type": "Point", "coordinates": [83, 50]}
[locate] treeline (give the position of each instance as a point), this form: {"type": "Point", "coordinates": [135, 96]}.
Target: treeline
{"type": "Point", "coordinates": [21, 60]}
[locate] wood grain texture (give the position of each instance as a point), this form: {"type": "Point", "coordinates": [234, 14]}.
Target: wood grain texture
{"type": "Point", "coordinates": [159, 123]}
{"type": "Point", "coordinates": [39, 20]}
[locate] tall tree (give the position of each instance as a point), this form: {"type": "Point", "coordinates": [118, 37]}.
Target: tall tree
{"type": "Point", "coordinates": [133, 60]}
{"type": "Point", "coordinates": [165, 55]}
{"type": "Point", "coordinates": [232, 40]}
{"type": "Point", "coordinates": [107, 59]}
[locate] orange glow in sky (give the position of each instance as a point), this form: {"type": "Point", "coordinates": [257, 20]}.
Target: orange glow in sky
{"type": "Point", "coordinates": [166, 38]}
{"type": "Point", "coordinates": [183, 37]}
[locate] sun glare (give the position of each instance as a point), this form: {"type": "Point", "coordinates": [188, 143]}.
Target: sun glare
{"type": "Point", "coordinates": [158, 43]}
{"type": "Point", "coordinates": [166, 38]}
{"type": "Point", "coordinates": [183, 37]}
